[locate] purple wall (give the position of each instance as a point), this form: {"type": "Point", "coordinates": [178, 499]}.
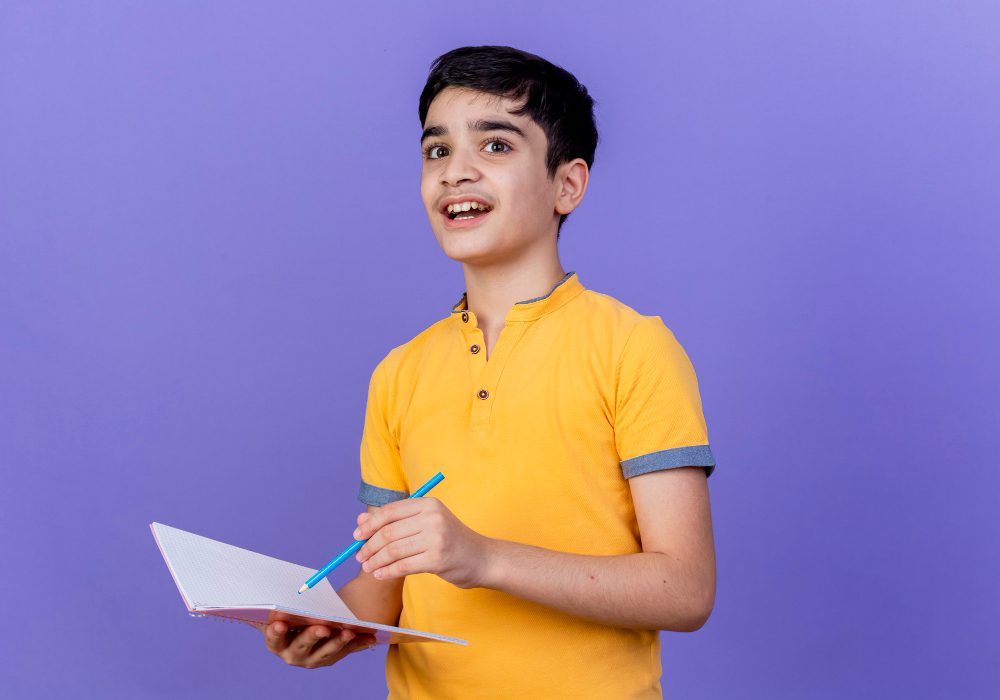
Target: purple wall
{"type": "Point", "coordinates": [211, 231]}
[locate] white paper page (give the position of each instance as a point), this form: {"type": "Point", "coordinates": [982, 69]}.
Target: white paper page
{"type": "Point", "coordinates": [210, 573]}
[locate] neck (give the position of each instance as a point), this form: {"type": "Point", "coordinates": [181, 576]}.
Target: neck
{"type": "Point", "coordinates": [491, 292]}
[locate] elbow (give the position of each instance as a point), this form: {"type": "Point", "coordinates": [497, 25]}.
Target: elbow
{"type": "Point", "coordinates": [703, 603]}
{"type": "Point", "coordinates": [695, 613]}
{"type": "Point", "coordinates": [699, 616]}
{"type": "Point", "coordinates": [691, 598]}
{"type": "Point", "coordinates": [693, 619]}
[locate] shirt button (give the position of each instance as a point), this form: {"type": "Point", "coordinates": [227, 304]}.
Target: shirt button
{"type": "Point", "coordinates": [465, 317]}
{"type": "Point", "coordinates": [474, 349]}
{"type": "Point", "coordinates": [483, 394]}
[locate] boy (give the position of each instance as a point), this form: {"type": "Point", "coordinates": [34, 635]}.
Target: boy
{"type": "Point", "coordinates": [574, 522]}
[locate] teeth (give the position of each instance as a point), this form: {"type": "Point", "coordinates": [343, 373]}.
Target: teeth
{"type": "Point", "coordinates": [466, 206]}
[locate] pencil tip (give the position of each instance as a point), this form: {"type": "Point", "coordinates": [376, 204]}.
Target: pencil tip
{"type": "Point", "coordinates": [303, 589]}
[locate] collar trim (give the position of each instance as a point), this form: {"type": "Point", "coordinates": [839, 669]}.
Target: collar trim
{"type": "Point", "coordinates": [531, 309]}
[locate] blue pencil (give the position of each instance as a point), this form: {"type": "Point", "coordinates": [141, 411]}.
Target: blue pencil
{"type": "Point", "coordinates": [357, 544]}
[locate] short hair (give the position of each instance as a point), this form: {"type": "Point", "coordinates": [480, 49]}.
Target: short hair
{"type": "Point", "coordinates": [556, 100]}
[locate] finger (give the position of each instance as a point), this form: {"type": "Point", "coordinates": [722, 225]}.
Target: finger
{"type": "Point", "coordinates": [304, 642]}
{"type": "Point", "coordinates": [388, 534]}
{"type": "Point", "coordinates": [360, 642]}
{"type": "Point", "coordinates": [276, 637]}
{"type": "Point", "coordinates": [394, 551]}
{"type": "Point", "coordinates": [332, 650]}
{"type": "Point", "coordinates": [416, 564]}
{"type": "Point", "coordinates": [363, 517]}
{"type": "Point", "coordinates": [391, 512]}
{"type": "Point", "coordinates": [365, 640]}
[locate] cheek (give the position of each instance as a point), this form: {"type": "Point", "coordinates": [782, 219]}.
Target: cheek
{"type": "Point", "coordinates": [536, 200]}
{"type": "Point", "coordinates": [425, 194]}
{"type": "Point", "coordinates": [519, 195]}
{"type": "Point", "coordinates": [429, 186]}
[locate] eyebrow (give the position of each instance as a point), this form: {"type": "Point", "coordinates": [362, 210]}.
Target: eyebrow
{"type": "Point", "coordinates": [479, 125]}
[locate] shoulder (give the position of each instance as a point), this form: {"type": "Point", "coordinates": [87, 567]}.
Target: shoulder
{"type": "Point", "coordinates": [609, 307]}
{"type": "Point", "coordinates": [405, 356]}
{"type": "Point", "coordinates": [623, 326]}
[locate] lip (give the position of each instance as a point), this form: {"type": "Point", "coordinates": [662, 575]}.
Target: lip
{"type": "Point", "coordinates": [463, 223]}
{"type": "Point", "coordinates": [450, 223]}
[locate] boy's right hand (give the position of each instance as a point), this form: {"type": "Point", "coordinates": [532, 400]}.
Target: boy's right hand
{"type": "Point", "coordinates": [313, 646]}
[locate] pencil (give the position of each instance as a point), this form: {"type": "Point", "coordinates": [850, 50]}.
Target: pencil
{"type": "Point", "coordinates": [357, 544]}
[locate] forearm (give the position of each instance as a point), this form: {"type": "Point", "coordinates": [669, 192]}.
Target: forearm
{"type": "Point", "coordinates": [647, 590]}
{"type": "Point", "coordinates": [373, 600]}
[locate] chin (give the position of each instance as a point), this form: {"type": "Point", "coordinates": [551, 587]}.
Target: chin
{"type": "Point", "coordinates": [469, 251]}
{"type": "Point", "coordinates": [470, 257]}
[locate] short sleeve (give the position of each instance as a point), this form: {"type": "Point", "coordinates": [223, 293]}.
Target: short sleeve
{"type": "Point", "coordinates": [382, 478]}
{"type": "Point", "coordinates": [658, 416]}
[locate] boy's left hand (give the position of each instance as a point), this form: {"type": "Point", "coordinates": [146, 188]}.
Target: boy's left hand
{"type": "Point", "coordinates": [420, 535]}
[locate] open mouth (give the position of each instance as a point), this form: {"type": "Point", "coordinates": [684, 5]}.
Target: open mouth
{"type": "Point", "coordinates": [465, 211]}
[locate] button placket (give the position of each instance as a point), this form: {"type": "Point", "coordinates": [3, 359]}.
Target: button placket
{"type": "Point", "coordinates": [484, 391]}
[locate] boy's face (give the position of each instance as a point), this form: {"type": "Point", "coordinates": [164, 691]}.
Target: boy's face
{"type": "Point", "coordinates": [472, 151]}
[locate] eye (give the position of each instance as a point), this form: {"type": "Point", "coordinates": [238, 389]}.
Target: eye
{"type": "Point", "coordinates": [431, 151]}
{"type": "Point", "coordinates": [499, 142]}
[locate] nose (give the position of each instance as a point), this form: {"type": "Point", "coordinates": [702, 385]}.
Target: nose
{"type": "Point", "coordinates": [458, 168]}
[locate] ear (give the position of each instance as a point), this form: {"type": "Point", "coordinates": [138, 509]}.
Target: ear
{"type": "Point", "coordinates": [571, 178]}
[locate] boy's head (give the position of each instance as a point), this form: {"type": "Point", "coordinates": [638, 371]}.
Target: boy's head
{"type": "Point", "coordinates": [489, 85]}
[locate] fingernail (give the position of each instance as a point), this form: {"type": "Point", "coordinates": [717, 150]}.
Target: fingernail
{"type": "Point", "coordinates": [321, 634]}
{"type": "Point", "coordinates": [357, 534]}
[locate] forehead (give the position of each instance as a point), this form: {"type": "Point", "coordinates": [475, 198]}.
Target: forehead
{"type": "Point", "coordinates": [456, 107]}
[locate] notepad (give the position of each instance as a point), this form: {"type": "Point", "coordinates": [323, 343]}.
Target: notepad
{"type": "Point", "coordinates": [220, 580]}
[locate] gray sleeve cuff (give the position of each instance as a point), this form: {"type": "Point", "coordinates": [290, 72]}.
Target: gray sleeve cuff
{"type": "Point", "coordinates": [691, 456]}
{"type": "Point", "coordinates": [378, 496]}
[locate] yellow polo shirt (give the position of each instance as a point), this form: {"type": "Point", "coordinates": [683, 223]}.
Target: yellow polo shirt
{"type": "Point", "coordinates": [536, 443]}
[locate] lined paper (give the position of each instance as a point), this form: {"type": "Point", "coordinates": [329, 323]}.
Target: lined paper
{"type": "Point", "coordinates": [214, 574]}
{"type": "Point", "coordinates": [218, 579]}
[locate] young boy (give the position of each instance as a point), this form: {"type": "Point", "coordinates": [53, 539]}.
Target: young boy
{"type": "Point", "coordinates": [574, 520]}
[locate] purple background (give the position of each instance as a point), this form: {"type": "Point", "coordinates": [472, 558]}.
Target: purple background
{"type": "Point", "coordinates": [211, 231]}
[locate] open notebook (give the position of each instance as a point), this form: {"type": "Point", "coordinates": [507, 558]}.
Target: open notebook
{"type": "Point", "coordinates": [221, 580]}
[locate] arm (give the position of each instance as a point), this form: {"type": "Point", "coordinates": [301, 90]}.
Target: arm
{"type": "Point", "coordinates": [322, 645]}
{"type": "Point", "coordinates": [370, 598]}
{"type": "Point", "coordinates": [670, 585]}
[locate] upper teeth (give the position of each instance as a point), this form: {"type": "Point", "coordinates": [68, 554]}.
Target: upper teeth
{"type": "Point", "coordinates": [466, 206]}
